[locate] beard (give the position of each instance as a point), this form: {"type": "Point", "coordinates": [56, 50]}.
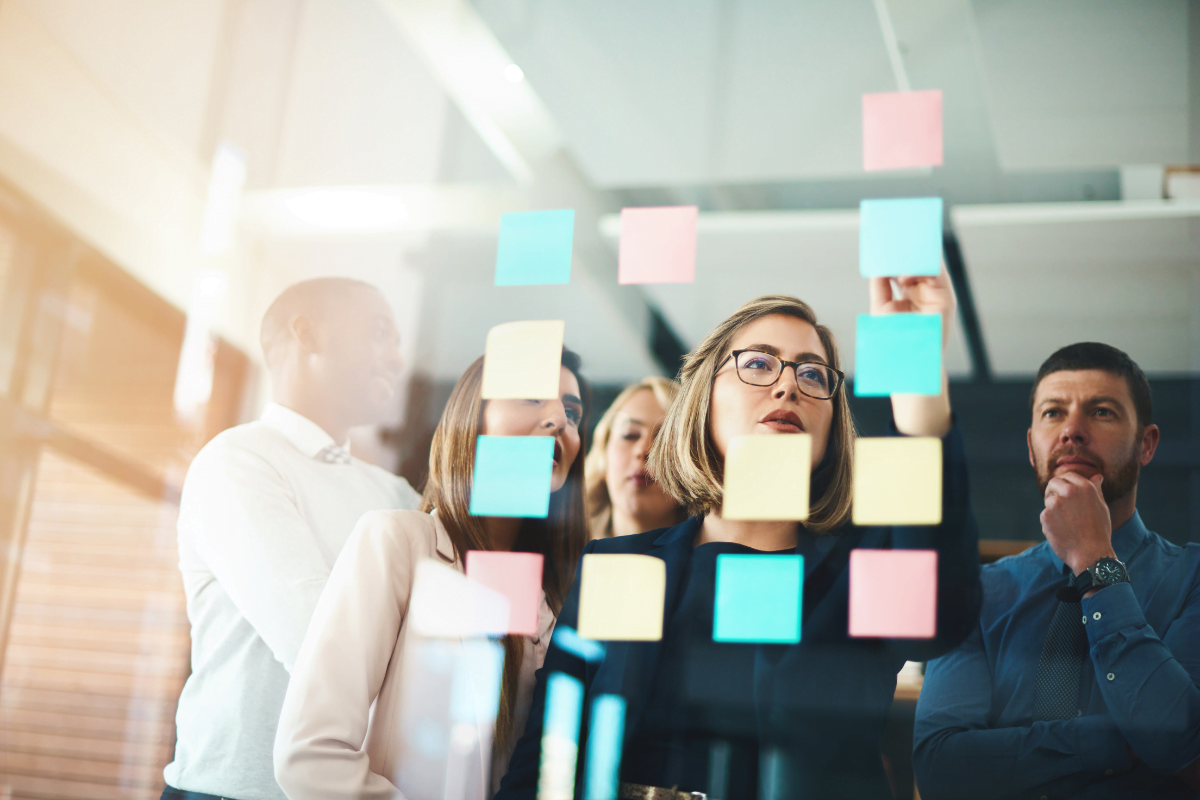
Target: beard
{"type": "Point", "coordinates": [1119, 479]}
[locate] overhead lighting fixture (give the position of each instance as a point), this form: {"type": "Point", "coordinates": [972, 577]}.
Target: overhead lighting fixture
{"type": "Point", "coordinates": [514, 73]}
{"type": "Point", "coordinates": [347, 209]}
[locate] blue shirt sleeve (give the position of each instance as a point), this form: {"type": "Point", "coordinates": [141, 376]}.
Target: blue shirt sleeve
{"type": "Point", "coordinates": [956, 753]}
{"type": "Point", "coordinates": [1149, 683]}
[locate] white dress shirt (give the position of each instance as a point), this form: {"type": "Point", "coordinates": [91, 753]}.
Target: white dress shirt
{"type": "Point", "coordinates": [266, 508]}
{"type": "Point", "coordinates": [368, 715]}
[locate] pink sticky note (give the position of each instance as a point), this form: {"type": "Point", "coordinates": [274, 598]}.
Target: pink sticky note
{"type": "Point", "coordinates": [658, 245]}
{"type": "Point", "coordinates": [902, 129]}
{"type": "Point", "coordinates": [517, 576]}
{"type": "Point", "coordinates": [893, 593]}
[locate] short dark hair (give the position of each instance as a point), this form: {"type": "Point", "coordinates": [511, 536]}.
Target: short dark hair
{"type": "Point", "coordinates": [1095, 355]}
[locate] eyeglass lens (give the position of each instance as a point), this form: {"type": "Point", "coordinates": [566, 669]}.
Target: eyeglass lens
{"type": "Point", "coordinates": [763, 369]}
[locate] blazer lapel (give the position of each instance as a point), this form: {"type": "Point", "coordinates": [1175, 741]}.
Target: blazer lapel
{"type": "Point", "coordinates": [636, 662]}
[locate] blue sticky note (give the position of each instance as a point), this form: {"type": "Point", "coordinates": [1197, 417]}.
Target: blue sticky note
{"type": "Point", "coordinates": [512, 476]}
{"type": "Point", "coordinates": [898, 354]}
{"type": "Point", "coordinates": [758, 599]}
{"type": "Point", "coordinates": [568, 639]}
{"type": "Point", "coordinates": [900, 237]}
{"type": "Point", "coordinates": [535, 247]}
{"type": "Point", "coordinates": [560, 736]}
{"type": "Point", "coordinates": [606, 740]}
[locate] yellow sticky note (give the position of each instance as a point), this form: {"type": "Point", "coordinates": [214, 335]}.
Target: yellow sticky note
{"type": "Point", "coordinates": [898, 481]}
{"type": "Point", "coordinates": [522, 360]}
{"type": "Point", "coordinates": [767, 477]}
{"type": "Point", "coordinates": [621, 597]}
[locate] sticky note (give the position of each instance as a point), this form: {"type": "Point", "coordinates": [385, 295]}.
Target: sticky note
{"type": "Point", "coordinates": [658, 245]}
{"type": "Point", "coordinates": [621, 597]}
{"type": "Point", "coordinates": [512, 476]}
{"type": "Point", "coordinates": [902, 130]}
{"type": "Point", "coordinates": [567, 639]}
{"type": "Point", "coordinates": [900, 237]}
{"type": "Point", "coordinates": [606, 739]}
{"type": "Point", "coordinates": [445, 603]}
{"type": "Point", "coordinates": [893, 593]}
{"type": "Point", "coordinates": [898, 481]}
{"type": "Point", "coordinates": [758, 598]}
{"type": "Point", "coordinates": [535, 247]}
{"type": "Point", "coordinates": [898, 354]}
{"type": "Point", "coordinates": [522, 360]}
{"type": "Point", "coordinates": [767, 477]}
{"type": "Point", "coordinates": [517, 576]}
{"type": "Point", "coordinates": [560, 737]}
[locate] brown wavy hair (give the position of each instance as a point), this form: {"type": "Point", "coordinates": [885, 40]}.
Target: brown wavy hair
{"type": "Point", "coordinates": [684, 459]}
{"type": "Point", "coordinates": [560, 537]}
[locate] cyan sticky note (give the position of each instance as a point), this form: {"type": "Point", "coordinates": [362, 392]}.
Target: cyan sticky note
{"type": "Point", "coordinates": [900, 237]}
{"type": "Point", "coordinates": [898, 354]}
{"type": "Point", "coordinates": [758, 598]}
{"type": "Point", "coordinates": [576, 645]}
{"type": "Point", "coordinates": [512, 476]}
{"type": "Point", "coordinates": [535, 247]}
{"type": "Point", "coordinates": [606, 739]}
{"type": "Point", "coordinates": [560, 737]}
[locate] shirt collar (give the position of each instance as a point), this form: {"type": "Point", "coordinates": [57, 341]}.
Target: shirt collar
{"type": "Point", "coordinates": [307, 436]}
{"type": "Point", "coordinates": [1125, 541]}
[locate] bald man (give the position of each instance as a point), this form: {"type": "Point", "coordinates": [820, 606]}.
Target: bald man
{"type": "Point", "coordinates": [265, 511]}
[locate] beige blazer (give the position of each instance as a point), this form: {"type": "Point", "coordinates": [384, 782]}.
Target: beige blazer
{"type": "Point", "coordinates": [350, 727]}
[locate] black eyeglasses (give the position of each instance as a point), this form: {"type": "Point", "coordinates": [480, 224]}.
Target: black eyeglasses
{"type": "Point", "coordinates": [757, 368]}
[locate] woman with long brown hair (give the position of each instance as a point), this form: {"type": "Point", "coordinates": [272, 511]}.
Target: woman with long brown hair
{"type": "Point", "coordinates": [344, 731]}
{"type": "Point", "coordinates": [774, 716]}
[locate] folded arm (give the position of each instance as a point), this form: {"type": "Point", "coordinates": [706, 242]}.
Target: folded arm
{"type": "Point", "coordinates": [957, 753]}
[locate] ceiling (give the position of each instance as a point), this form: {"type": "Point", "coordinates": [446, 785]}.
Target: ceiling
{"type": "Point", "coordinates": [750, 110]}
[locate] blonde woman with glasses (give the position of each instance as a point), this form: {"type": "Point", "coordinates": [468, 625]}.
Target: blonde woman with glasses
{"type": "Point", "coordinates": [747, 721]}
{"type": "Point", "coordinates": [623, 497]}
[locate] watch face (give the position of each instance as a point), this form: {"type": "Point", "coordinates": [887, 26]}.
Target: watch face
{"type": "Point", "coordinates": [1109, 570]}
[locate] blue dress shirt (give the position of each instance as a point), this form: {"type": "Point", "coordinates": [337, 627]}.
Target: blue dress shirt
{"type": "Point", "coordinates": [975, 735]}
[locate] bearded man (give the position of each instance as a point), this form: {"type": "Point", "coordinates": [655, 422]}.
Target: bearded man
{"type": "Point", "coordinates": [1082, 678]}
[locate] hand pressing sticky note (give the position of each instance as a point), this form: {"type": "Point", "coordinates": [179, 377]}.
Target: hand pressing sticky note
{"type": "Point", "coordinates": [621, 597]}
{"type": "Point", "coordinates": [898, 481]}
{"type": "Point", "coordinates": [767, 477]}
{"type": "Point", "coordinates": [758, 598]}
{"type": "Point", "coordinates": [658, 245]}
{"type": "Point", "coordinates": [522, 360]}
{"type": "Point", "coordinates": [898, 354]}
{"type": "Point", "coordinates": [516, 576]}
{"type": "Point", "coordinates": [535, 247]}
{"type": "Point", "coordinates": [893, 593]}
{"type": "Point", "coordinates": [902, 130]}
{"type": "Point", "coordinates": [512, 476]}
{"type": "Point", "coordinates": [900, 237]}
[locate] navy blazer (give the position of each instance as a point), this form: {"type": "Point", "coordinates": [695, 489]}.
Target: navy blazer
{"type": "Point", "coordinates": [822, 702]}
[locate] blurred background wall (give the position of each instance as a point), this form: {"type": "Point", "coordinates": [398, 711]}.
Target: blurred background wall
{"type": "Point", "coordinates": [166, 168]}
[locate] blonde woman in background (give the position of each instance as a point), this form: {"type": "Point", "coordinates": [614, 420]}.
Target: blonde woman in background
{"type": "Point", "coordinates": [623, 497]}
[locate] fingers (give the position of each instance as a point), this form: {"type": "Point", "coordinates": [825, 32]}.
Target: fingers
{"type": "Point", "coordinates": [881, 294]}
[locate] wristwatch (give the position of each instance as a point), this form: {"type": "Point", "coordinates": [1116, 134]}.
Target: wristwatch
{"type": "Point", "coordinates": [1104, 572]}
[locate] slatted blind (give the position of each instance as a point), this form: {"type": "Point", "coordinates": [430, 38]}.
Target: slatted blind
{"type": "Point", "coordinates": [98, 649]}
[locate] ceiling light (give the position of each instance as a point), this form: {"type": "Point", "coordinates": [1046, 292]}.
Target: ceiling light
{"type": "Point", "coordinates": [347, 209]}
{"type": "Point", "coordinates": [514, 73]}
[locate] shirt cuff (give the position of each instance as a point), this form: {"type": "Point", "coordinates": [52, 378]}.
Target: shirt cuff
{"type": "Point", "coordinates": [1110, 610]}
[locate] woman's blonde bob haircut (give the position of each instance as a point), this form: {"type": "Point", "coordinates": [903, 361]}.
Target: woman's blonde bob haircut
{"type": "Point", "coordinates": [684, 459]}
{"type": "Point", "coordinates": [595, 469]}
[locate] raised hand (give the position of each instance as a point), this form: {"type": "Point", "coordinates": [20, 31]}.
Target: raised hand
{"type": "Point", "coordinates": [921, 294]}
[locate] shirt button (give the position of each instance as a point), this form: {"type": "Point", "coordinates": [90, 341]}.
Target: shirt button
{"type": "Point", "coordinates": [1096, 615]}
{"type": "Point", "coordinates": [1111, 676]}
{"type": "Point", "coordinates": [1085, 619]}
{"type": "Point", "coordinates": [1108, 772]}
{"type": "Point", "coordinates": [1044, 797]}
